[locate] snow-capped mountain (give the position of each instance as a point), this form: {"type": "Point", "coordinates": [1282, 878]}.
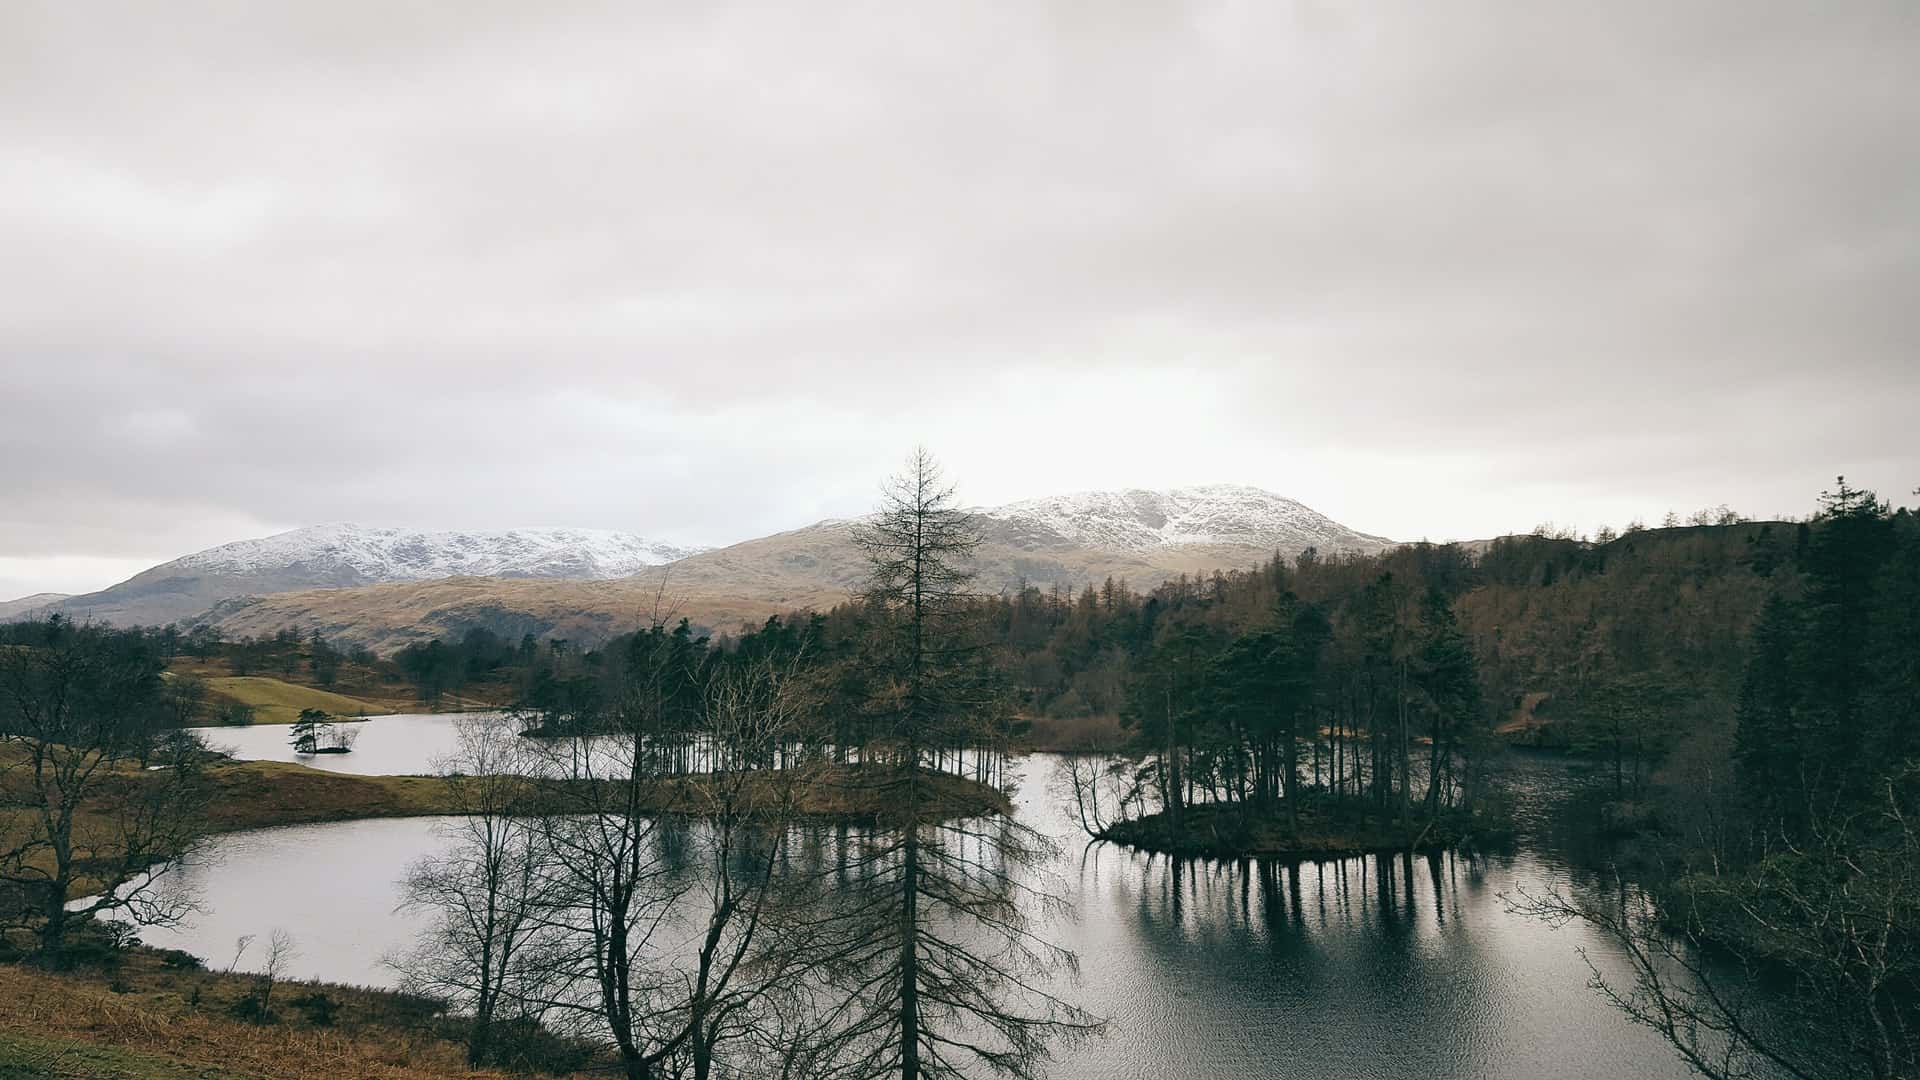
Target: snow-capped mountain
{"type": "Point", "coordinates": [1144, 522]}
{"type": "Point", "coordinates": [27, 606]}
{"type": "Point", "coordinates": [1142, 537]}
{"type": "Point", "coordinates": [386, 586]}
{"type": "Point", "coordinates": [341, 556]}
{"type": "Point", "coordinates": [376, 555]}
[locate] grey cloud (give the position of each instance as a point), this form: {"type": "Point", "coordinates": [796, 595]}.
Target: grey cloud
{"type": "Point", "coordinates": [1443, 270]}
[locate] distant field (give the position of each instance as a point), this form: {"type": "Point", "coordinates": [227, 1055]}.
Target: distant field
{"type": "Point", "coordinates": [370, 690]}
{"type": "Point", "coordinates": [277, 702]}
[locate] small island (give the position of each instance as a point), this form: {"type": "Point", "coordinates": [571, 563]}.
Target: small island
{"type": "Point", "coordinates": [316, 732]}
{"type": "Point", "coordinates": [1233, 830]}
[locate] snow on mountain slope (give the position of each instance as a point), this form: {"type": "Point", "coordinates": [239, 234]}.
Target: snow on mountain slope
{"type": "Point", "coordinates": [345, 556]}
{"type": "Point", "coordinates": [1143, 537]}
{"type": "Point", "coordinates": [30, 605]}
{"type": "Point", "coordinates": [1142, 522]}
{"type": "Point", "coordinates": [409, 555]}
{"type": "Point", "coordinates": [319, 571]}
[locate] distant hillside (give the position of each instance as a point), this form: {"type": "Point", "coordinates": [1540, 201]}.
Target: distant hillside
{"type": "Point", "coordinates": [344, 556]}
{"type": "Point", "coordinates": [36, 604]}
{"type": "Point", "coordinates": [1144, 537]}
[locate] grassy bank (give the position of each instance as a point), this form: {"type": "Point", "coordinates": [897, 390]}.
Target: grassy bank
{"type": "Point", "coordinates": [275, 701]}
{"type": "Point", "coordinates": [257, 794]}
{"type": "Point", "coordinates": [1322, 831]}
{"type": "Point", "coordinates": [154, 1015]}
{"type": "Point", "coordinates": [356, 690]}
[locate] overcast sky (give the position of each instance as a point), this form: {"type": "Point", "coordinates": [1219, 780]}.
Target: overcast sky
{"type": "Point", "coordinates": [708, 271]}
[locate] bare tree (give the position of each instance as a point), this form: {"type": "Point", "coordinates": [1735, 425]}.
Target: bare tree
{"type": "Point", "coordinates": [280, 953]}
{"type": "Point", "coordinates": [1827, 924]}
{"type": "Point", "coordinates": [745, 954]}
{"type": "Point", "coordinates": [482, 890]}
{"type": "Point", "coordinates": [281, 949]}
{"type": "Point", "coordinates": [94, 805]}
{"type": "Point", "coordinates": [1102, 789]}
{"type": "Point", "coordinates": [185, 696]}
{"type": "Point", "coordinates": [608, 888]}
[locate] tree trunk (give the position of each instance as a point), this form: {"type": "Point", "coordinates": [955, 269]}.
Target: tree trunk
{"type": "Point", "coordinates": [1406, 749]}
{"type": "Point", "coordinates": [909, 956]}
{"type": "Point", "coordinates": [1290, 757]}
{"type": "Point", "coordinates": [53, 933]}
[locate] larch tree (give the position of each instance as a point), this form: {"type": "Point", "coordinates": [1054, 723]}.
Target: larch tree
{"type": "Point", "coordinates": [941, 970]}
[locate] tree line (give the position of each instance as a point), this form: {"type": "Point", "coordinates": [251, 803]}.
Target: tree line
{"type": "Point", "coordinates": [1789, 857]}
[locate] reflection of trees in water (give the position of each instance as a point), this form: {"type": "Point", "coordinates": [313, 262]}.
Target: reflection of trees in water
{"type": "Point", "coordinates": [1290, 902]}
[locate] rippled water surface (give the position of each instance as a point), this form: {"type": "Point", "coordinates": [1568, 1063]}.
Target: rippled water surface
{"type": "Point", "coordinates": [1393, 967]}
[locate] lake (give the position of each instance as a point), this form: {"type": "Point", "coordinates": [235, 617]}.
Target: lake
{"type": "Point", "coordinates": [1374, 967]}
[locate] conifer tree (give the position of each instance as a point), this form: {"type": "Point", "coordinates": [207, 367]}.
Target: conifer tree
{"type": "Point", "coordinates": [941, 967]}
{"type": "Point", "coordinates": [306, 731]}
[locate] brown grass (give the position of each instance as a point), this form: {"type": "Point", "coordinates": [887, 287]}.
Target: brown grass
{"type": "Point", "coordinates": [162, 1022]}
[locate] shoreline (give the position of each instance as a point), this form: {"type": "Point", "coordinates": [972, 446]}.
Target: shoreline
{"type": "Point", "coordinates": [267, 794]}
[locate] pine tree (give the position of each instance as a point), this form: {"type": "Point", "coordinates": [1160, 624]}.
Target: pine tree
{"type": "Point", "coordinates": [1447, 676]}
{"type": "Point", "coordinates": [306, 732]}
{"type": "Point", "coordinates": [1807, 732]}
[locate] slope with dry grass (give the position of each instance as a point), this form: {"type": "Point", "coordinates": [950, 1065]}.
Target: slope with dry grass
{"type": "Point", "coordinates": [147, 1018]}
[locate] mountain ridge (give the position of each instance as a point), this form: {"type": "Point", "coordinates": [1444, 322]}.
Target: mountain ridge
{"type": "Point", "coordinates": [1141, 519]}
{"type": "Point", "coordinates": [344, 555]}
{"type": "Point", "coordinates": [420, 554]}
{"type": "Point", "coordinates": [258, 587]}
{"type": "Point", "coordinates": [27, 606]}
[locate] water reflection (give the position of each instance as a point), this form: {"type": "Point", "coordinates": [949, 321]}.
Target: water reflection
{"type": "Point", "coordinates": [398, 745]}
{"type": "Point", "coordinates": [1397, 966]}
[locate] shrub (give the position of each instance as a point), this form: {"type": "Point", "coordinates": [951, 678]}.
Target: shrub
{"type": "Point", "coordinates": [320, 1010]}
{"type": "Point", "coordinates": [251, 1010]}
{"type": "Point", "coordinates": [179, 960]}
{"type": "Point", "coordinates": [524, 1046]}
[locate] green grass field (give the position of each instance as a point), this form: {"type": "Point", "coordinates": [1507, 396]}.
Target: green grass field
{"type": "Point", "coordinates": [277, 702]}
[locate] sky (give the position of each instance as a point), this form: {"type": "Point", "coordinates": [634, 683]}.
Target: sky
{"type": "Point", "coordinates": [710, 271]}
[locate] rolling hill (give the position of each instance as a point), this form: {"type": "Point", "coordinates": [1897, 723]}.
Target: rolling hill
{"type": "Point", "coordinates": [1142, 536]}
